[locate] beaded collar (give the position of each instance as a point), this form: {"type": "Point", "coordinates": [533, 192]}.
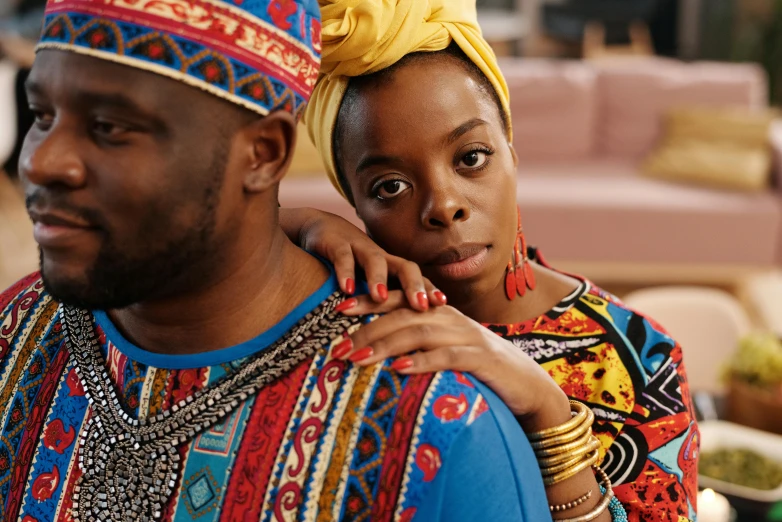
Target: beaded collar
{"type": "Point", "coordinates": [130, 466]}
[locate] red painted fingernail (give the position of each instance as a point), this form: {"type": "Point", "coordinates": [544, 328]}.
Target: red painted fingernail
{"type": "Point", "coordinates": [362, 354]}
{"type": "Point", "coordinates": [440, 297]}
{"type": "Point", "coordinates": [342, 349]}
{"type": "Point", "coordinates": [350, 286]}
{"type": "Point", "coordinates": [382, 291]}
{"type": "Point", "coordinates": [423, 300]}
{"type": "Point", "coordinates": [347, 304]}
{"type": "Point", "coordinates": [403, 363]}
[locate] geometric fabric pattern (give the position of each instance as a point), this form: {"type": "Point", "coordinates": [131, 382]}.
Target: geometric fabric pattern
{"type": "Point", "coordinates": [629, 371]}
{"type": "Point", "coordinates": [261, 55]}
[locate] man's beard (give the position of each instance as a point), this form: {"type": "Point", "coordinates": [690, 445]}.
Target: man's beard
{"type": "Point", "coordinates": [121, 277]}
{"type": "Point", "coordinates": [117, 280]}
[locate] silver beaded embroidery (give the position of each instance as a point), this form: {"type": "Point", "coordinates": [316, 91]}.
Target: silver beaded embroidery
{"type": "Point", "coordinates": [130, 466]}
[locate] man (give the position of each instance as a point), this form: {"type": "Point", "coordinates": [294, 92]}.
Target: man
{"type": "Point", "coordinates": [173, 360]}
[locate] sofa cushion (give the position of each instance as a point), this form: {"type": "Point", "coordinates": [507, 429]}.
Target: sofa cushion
{"type": "Point", "coordinates": [603, 210]}
{"type": "Point", "coordinates": [634, 94]}
{"type": "Point", "coordinates": [554, 108]}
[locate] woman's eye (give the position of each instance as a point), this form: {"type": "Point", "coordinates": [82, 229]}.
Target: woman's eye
{"type": "Point", "coordinates": [391, 189]}
{"type": "Point", "coordinates": [473, 159]}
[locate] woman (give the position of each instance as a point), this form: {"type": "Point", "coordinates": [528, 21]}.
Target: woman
{"type": "Point", "coordinates": [411, 118]}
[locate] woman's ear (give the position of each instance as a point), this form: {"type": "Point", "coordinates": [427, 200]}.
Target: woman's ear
{"type": "Point", "coordinates": [514, 155]}
{"type": "Point", "coordinates": [271, 142]}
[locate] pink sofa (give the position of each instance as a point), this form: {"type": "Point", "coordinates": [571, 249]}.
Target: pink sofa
{"type": "Point", "coordinates": [581, 129]}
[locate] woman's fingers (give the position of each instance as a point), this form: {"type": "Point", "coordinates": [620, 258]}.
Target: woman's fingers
{"type": "Point", "coordinates": [453, 358]}
{"type": "Point", "coordinates": [436, 297]}
{"type": "Point", "coordinates": [404, 331]}
{"type": "Point", "coordinates": [412, 280]}
{"type": "Point", "coordinates": [373, 260]}
{"type": "Point", "coordinates": [345, 268]}
{"type": "Point", "coordinates": [365, 305]}
{"type": "Point", "coordinates": [420, 292]}
{"type": "Point", "coordinates": [403, 341]}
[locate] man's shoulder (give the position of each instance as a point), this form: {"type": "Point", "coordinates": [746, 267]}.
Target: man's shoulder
{"type": "Point", "coordinates": [441, 406]}
{"type": "Point", "coordinates": [455, 416]}
{"type": "Point", "coordinates": [18, 290]}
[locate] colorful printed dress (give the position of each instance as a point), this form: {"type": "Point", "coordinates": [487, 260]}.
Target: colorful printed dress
{"type": "Point", "coordinates": [270, 430]}
{"type": "Point", "coordinates": [630, 372]}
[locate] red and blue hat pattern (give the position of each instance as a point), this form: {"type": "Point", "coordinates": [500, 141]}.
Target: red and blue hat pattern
{"type": "Point", "coordinates": [263, 55]}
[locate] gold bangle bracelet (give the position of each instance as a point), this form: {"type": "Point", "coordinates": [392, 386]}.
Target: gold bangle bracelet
{"type": "Point", "coordinates": [591, 446]}
{"type": "Point", "coordinates": [562, 466]}
{"type": "Point", "coordinates": [564, 448]}
{"type": "Point", "coordinates": [562, 476]}
{"type": "Point", "coordinates": [586, 449]}
{"type": "Point", "coordinates": [580, 411]}
{"type": "Point", "coordinates": [592, 515]}
{"type": "Point", "coordinates": [574, 464]}
{"type": "Point", "coordinates": [557, 440]}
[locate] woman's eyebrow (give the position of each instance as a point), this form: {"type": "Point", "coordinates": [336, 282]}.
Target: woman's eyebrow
{"type": "Point", "coordinates": [463, 129]}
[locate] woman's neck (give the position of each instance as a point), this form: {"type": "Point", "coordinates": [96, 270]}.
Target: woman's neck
{"type": "Point", "coordinates": [494, 307]}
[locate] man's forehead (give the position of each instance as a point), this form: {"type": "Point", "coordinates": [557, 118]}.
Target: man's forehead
{"type": "Point", "coordinates": [61, 73]}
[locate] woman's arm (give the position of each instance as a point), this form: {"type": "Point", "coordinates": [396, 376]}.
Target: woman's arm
{"type": "Point", "coordinates": [453, 341]}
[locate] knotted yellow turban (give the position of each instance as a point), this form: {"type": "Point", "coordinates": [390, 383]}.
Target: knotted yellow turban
{"type": "Point", "coordinates": [365, 36]}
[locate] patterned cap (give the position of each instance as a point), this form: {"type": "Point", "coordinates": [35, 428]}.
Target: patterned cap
{"type": "Point", "coordinates": [261, 54]}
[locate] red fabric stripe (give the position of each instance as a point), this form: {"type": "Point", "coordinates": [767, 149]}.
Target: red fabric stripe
{"type": "Point", "coordinates": [398, 446]}
{"type": "Point", "coordinates": [32, 432]}
{"type": "Point", "coordinates": [11, 293]}
{"type": "Point", "coordinates": [257, 453]}
{"type": "Point", "coordinates": [218, 39]}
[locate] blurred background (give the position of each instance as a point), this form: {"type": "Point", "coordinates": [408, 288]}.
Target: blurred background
{"type": "Point", "coordinates": [651, 161]}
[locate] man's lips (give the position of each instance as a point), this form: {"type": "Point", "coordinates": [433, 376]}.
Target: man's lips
{"type": "Point", "coordinates": [54, 219]}
{"type": "Point", "coordinates": [55, 230]}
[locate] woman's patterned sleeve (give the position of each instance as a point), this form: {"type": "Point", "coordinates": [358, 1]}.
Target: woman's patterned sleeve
{"type": "Point", "coordinates": [657, 480]}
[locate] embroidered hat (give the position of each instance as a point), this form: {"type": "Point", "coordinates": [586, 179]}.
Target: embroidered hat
{"type": "Point", "coordinates": [261, 54]}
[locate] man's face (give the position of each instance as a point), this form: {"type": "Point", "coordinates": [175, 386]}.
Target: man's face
{"type": "Point", "coordinates": [124, 177]}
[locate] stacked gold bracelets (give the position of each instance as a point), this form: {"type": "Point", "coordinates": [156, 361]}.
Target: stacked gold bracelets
{"type": "Point", "coordinates": [566, 450]}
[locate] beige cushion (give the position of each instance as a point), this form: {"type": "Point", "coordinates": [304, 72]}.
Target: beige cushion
{"type": "Point", "coordinates": [724, 148]}
{"type": "Point", "coordinates": [636, 94]}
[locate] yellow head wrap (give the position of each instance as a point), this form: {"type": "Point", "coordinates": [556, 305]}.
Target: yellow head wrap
{"type": "Point", "coordinates": [365, 36]}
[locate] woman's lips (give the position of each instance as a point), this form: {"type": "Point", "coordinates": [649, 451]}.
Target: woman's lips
{"type": "Point", "coordinates": [461, 263]}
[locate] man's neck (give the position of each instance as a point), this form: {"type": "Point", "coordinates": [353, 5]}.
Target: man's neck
{"type": "Point", "coordinates": [243, 302]}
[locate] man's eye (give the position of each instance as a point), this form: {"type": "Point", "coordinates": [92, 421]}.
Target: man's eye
{"type": "Point", "coordinates": [107, 128]}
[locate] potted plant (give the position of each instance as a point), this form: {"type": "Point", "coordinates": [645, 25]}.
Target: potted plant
{"type": "Point", "coordinates": [754, 376]}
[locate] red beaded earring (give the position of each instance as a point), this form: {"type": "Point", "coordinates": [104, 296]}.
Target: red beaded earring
{"type": "Point", "coordinates": [519, 275]}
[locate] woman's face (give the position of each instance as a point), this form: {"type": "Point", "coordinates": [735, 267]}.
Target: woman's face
{"type": "Point", "coordinates": [432, 174]}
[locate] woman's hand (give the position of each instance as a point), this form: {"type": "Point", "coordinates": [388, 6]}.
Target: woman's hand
{"type": "Point", "coordinates": [445, 339]}
{"type": "Point", "coordinates": [343, 245]}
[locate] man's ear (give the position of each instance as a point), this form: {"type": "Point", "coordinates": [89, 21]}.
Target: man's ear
{"type": "Point", "coordinates": [271, 140]}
